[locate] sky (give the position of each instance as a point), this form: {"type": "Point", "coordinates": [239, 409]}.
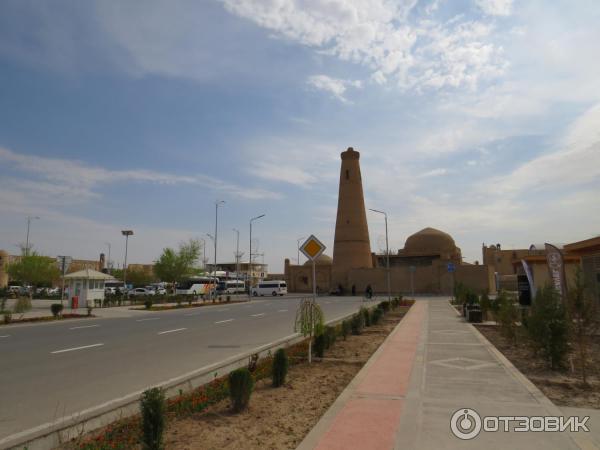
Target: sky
{"type": "Point", "coordinates": [480, 118]}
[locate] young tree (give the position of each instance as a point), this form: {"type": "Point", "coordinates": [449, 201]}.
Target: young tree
{"type": "Point", "coordinates": [173, 266]}
{"type": "Point", "coordinates": [309, 321]}
{"type": "Point", "coordinates": [35, 269]}
{"type": "Point", "coordinates": [508, 316]}
{"type": "Point", "coordinates": [583, 315]}
{"type": "Point", "coordinates": [548, 326]}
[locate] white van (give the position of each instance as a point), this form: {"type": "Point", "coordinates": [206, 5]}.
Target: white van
{"type": "Point", "coordinates": [272, 287]}
{"type": "Point", "coordinates": [231, 287]}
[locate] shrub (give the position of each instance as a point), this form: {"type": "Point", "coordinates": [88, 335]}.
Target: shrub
{"type": "Point", "coordinates": [385, 306]}
{"type": "Point", "coordinates": [377, 315]}
{"type": "Point", "coordinates": [280, 367]}
{"type": "Point", "coordinates": [508, 316]}
{"type": "Point", "coordinates": [22, 305]}
{"type": "Point", "coordinates": [148, 303]}
{"type": "Point", "coordinates": [485, 304]}
{"type": "Point", "coordinates": [228, 298]}
{"type": "Point", "coordinates": [319, 345]}
{"type": "Point", "coordinates": [153, 409]}
{"type": "Point", "coordinates": [2, 304]}
{"type": "Point", "coordinates": [357, 323]}
{"type": "Point", "coordinates": [7, 317]}
{"type": "Point", "coordinates": [89, 311]}
{"type": "Point", "coordinates": [240, 388]}
{"type": "Point", "coordinates": [56, 309]}
{"type": "Point", "coordinates": [178, 300]}
{"type": "Point", "coordinates": [548, 326]}
{"type": "Point", "coordinates": [346, 328]}
{"type": "Point", "coordinates": [367, 316]}
{"type": "Point", "coordinates": [330, 336]}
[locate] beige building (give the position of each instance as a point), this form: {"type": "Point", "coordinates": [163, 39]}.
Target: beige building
{"type": "Point", "coordinates": [589, 252]}
{"type": "Point", "coordinates": [430, 261]}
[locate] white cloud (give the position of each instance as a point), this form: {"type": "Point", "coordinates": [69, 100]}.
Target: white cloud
{"type": "Point", "coordinates": [434, 173]}
{"type": "Point", "coordinates": [75, 181]}
{"type": "Point", "coordinates": [495, 7]}
{"type": "Point", "coordinates": [383, 36]}
{"type": "Point", "coordinates": [335, 86]}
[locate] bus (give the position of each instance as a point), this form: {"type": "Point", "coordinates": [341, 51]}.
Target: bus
{"type": "Point", "coordinates": [273, 287]}
{"type": "Point", "coordinates": [231, 287]}
{"type": "Point", "coordinates": [196, 286]}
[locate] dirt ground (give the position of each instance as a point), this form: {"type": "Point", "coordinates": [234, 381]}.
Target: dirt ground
{"type": "Point", "coordinates": [279, 418]}
{"type": "Point", "coordinates": [563, 387]}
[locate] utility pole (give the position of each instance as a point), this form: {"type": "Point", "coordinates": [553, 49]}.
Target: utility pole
{"type": "Point", "coordinates": [237, 253]}
{"type": "Point", "coordinates": [217, 203]}
{"type": "Point", "coordinates": [298, 247]}
{"type": "Point", "coordinates": [126, 233]}
{"type": "Point", "coordinates": [387, 252]}
{"type": "Point", "coordinates": [29, 219]}
{"type": "Point", "coordinates": [250, 257]}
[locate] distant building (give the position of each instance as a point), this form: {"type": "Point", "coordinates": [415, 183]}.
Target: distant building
{"type": "Point", "coordinates": [259, 271]}
{"type": "Point", "coordinates": [589, 252]}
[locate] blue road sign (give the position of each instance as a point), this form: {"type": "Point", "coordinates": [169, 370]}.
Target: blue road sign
{"type": "Point", "coordinates": [451, 267]}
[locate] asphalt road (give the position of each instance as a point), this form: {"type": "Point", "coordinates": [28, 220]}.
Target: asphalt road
{"type": "Point", "coordinates": [51, 370]}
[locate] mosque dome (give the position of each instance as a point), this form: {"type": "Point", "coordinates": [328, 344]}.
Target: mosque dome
{"type": "Point", "coordinates": [430, 241]}
{"type": "Point", "coordinates": [322, 260]}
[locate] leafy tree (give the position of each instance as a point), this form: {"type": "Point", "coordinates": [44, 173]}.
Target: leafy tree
{"type": "Point", "coordinates": [583, 314]}
{"type": "Point", "coordinates": [548, 326]}
{"type": "Point", "coordinates": [508, 316]}
{"type": "Point", "coordinates": [35, 269]}
{"type": "Point", "coordinates": [140, 277]}
{"type": "Point", "coordinates": [173, 266]}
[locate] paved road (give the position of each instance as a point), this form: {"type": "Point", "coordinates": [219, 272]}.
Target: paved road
{"type": "Point", "coordinates": [56, 369]}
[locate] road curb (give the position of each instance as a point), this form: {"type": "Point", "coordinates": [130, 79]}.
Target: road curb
{"type": "Point", "coordinates": [53, 434]}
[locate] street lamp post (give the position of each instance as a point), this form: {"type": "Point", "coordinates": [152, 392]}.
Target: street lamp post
{"type": "Point", "coordinates": [108, 262]}
{"type": "Point", "coordinates": [250, 256]}
{"type": "Point", "coordinates": [29, 219]}
{"type": "Point", "coordinates": [237, 253]}
{"type": "Point", "coordinates": [203, 253]}
{"type": "Point", "coordinates": [217, 204]}
{"type": "Point", "coordinates": [126, 233]}
{"type": "Point", "coordinates": [387, 252]}
{"type": "Point", "coordinates": [298, 247]}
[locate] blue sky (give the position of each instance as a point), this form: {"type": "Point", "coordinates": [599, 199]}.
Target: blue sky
{"type": "Point", "coordinates": [480, 118]}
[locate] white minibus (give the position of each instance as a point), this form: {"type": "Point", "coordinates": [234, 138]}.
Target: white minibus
{"type": "Point", "coordinates": [271, 287]}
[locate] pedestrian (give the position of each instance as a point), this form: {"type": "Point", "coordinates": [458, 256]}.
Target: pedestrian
{"type": "Point", "coordinates": [369, 292]}
{"type": "Point", "coordinates": [353, 290]}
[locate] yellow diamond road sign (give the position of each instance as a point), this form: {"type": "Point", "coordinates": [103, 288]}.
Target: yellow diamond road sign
{"type": "Point", "coordinates": [312, 248]}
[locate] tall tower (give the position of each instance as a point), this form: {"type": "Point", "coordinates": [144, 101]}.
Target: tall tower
{"type": "Point", "coordinates": [351, 247]}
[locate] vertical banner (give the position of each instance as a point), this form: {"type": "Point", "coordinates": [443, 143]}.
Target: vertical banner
{"type": "Point", "coordinates": [556, 267]}
{"type": "Point", "coordinates": [527, 270]}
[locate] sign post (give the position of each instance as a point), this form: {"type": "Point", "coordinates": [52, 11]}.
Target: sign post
{"type": "Point", "coordinates": [312, 249]}
{"type": "Point", "coordinates": [63, 263]}
{"type": "Point", "coordinates": [451, 269]}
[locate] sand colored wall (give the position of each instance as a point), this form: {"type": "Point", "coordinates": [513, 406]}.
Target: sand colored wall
{"type": "Point", "coordinates": [3, 265]}
{"type": "Point", "coordinates": [351, 248]}
{"type": "Point", "coordinates": [299, 278]}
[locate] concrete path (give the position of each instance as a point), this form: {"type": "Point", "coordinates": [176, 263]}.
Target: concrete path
{"type": "Point", "coordinates": [432, 365]}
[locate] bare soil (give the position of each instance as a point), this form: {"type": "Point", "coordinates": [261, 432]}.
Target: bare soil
{"type": "Point", "coordinates": [279, 418]}
{"type": "Point", "coordinates": [563, 387]}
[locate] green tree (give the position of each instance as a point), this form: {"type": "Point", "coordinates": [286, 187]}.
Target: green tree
{"type": "Point", "coordinates": [34, 269]}
{"type": "Point", "coordinates": [507, 316]}
{"type": "Point", "coordinates": [173, 266]}
{"type": "Point", "coordinates": [309, 321]}
{"type": "Point", "coordinates": [583, 312]}
{"type": "Point", "coordinates": [548, 326]}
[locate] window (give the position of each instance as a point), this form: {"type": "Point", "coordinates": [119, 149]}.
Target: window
{"type": "Point", "coordinates": [347, 174]}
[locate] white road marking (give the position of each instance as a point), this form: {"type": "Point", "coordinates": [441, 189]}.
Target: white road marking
{"type": "Point", "coordinates": [5, 336]}
{"type": "Point", "coordinates": [76, 348]}
{"type": "Point", "coordinates": [192, 314]}
{"type": "Point", "coordinates": [258, 315]}
{"type": "Point", "coordinates": [223, 321]}
{"type": "Point", "coordinates": [282, 310]}
{"type": "Point", "coordinates": [172, 331]}
{"type": "Point", "coordinates": [86, 326]}
{"type": "Point", "coordinates": [224, 309]}
{"type": "Point", "coordinates": [144, 320]}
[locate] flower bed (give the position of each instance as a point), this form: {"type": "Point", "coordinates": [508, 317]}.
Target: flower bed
{"type": "Point", "coordinates": [48, 318]}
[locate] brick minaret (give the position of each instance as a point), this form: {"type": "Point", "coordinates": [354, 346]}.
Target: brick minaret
{"type": "Point", "coordinates": [351, 247]}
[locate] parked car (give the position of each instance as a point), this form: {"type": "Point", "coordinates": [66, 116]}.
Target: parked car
{"type": "Point", "coordinates": [111, 290]}
{"type": "Point", "coordinates": [139, 292]}
{"type": "Point", "coordinates": [53, 291]}
{"type": "Point", "coordinates": [15, 289]}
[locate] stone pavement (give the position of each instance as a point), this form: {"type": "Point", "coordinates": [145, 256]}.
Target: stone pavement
{"type": "Point", "coordinates": [432, 365]}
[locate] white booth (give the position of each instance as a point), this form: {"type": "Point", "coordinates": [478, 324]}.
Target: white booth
{"type": "Point", "coordinates": [86, 287]}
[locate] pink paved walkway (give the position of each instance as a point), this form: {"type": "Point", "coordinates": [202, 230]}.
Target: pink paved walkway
{"type": "Point", "coordinates": [369, 410]}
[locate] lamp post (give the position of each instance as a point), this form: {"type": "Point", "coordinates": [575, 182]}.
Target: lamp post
{"type": "Point", "coordinates": [298, 247]}
{"type": "Point", "coordinates": [387, 252]}
{"type": "Point", "coordinates": [108, 262]}
{"type": "Point", "coordinates": [237, 253]}
{"type": "Point", "coordinates": [203, 253]}
{"type": "Point", "coordinates": [126, 233]}
{"type": "Point", "coordinates": [250, 256]}
{"type": "Point", "coordinates": [29, 219]}
{"type": "Point", "coordinates": [217, 204]}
